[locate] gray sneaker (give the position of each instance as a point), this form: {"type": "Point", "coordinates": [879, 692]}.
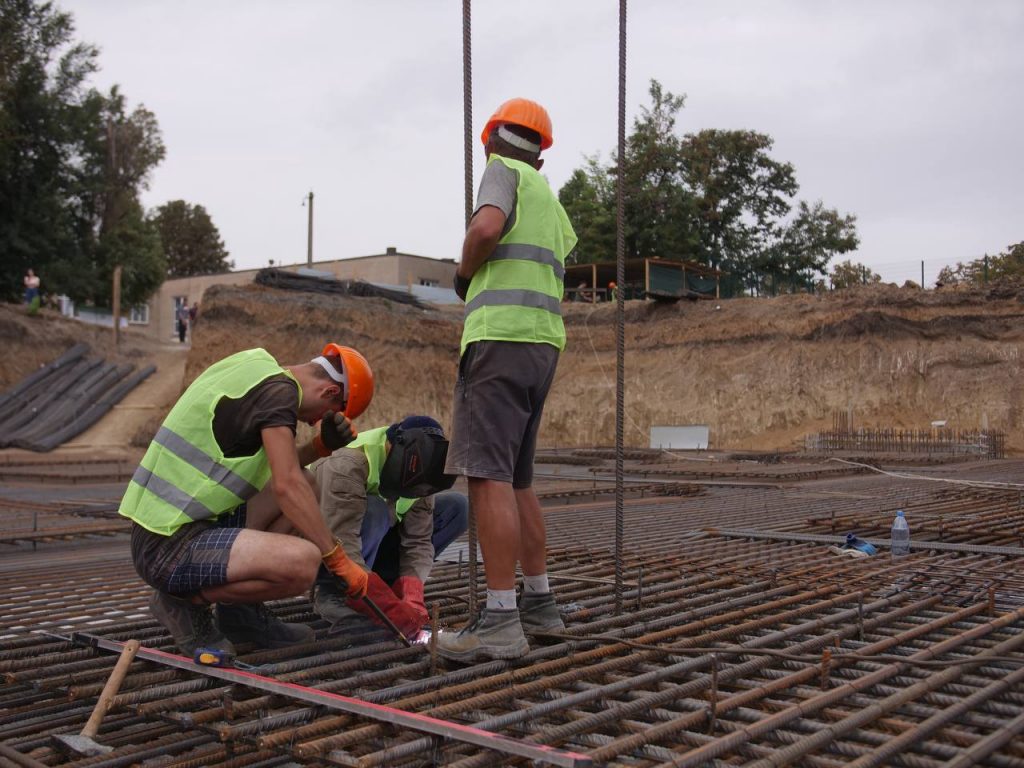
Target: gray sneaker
{"type": "Point", "coordinates": [191, 626]}
{"type": "Point", "coordinates": [539, 612]}
{"type": "Point", "coordinates": [494, 635]}
{"type": "Point", "coordinates": [255, 623]}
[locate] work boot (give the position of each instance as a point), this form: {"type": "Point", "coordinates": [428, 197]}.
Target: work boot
{"type": "Point", "coordinates": [255, 623]}
{"type": "Point", "coordinates": [539, 612]}
{"type": "Point", "coordinates": [331, 606]}
{"type": "Point", "coordinates": [191, 625]}
{"type": "Point", "coordinates": [496, 634]}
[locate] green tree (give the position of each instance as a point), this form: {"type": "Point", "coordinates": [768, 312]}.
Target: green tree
{"type": "Point", "coordinates": [805, 245]}
{"type": "Point", "coordinates": [847, 274]}
{"type": "Point", "coordinates": [191, 241]}
{"type": "Point", "coordinates": [590, 196]}
{"type": "Point", "coordinates": [715, 196]}
{"type": "Point", "coordinates": [72, 160]}
{"type": "Point", "coordinates": [1008, 265]}
{"type": "Point", "coordinates": [41, 101]}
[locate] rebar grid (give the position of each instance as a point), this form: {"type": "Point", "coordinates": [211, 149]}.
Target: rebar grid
{"type": "Point", "coordinates": [729, 650]}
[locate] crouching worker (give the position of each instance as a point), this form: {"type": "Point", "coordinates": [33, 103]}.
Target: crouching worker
{"type": "Point", "coordinates": [221, 489]}
{"type": "Point", "coordinates": [378, 498]}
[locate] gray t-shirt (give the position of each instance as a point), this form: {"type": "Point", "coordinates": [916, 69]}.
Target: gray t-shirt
{"type": "Point", "coordinates": [499, 187]}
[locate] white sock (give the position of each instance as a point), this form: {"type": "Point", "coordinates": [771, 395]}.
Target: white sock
{"type": "Point", "coordinates": [501, 599]}
{"type": "Point", "coordinates": [537, 583]}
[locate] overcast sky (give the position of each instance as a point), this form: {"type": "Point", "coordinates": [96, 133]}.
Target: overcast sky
{"type": "Point", "coordinates": [909, 115]}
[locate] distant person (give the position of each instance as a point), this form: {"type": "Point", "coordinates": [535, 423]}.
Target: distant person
{"type": "Point", "coordinates": [581, 291]}
{"type": "Point", "coordinates": [511, 278]}
{"type": "Point", "coordinates": [221, 488]}
{"type": "Point", "coordinates": [381, 496]}
{"type": "Point", "coordinates": [193, 313]}
{"type": "Point", "coordinates": [182, 320]}
{"type": "Point", "coordinates": [613, 291]}
{"type": "Point", "coordinates": [32, 292]}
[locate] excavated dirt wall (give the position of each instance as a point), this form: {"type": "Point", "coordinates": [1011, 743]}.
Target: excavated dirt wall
{"type": "Point", "coordinates": [761, 373]}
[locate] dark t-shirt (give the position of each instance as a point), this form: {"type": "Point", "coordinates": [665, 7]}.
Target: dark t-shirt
{"type": "Point", "coordinates": [237, 423]}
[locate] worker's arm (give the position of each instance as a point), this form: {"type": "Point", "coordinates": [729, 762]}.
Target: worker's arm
{"type": "Point", "coordinates": [483, 235]}
{"type": "Point", "coordinates": [292, 490]}
{"type": "Point", "coordinates": [417, 540]}
{"type": "Point", "coordinates": [342, 481]}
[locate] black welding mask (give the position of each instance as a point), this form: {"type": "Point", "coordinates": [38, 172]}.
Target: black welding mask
{"type": "Point", "coordinates": [415, 464]}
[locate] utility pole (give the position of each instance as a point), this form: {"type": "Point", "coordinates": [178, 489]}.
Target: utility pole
{"type": "Point", "coordinates": [309, 234]}
{"type": "Point", "coordinates": [117, 305]}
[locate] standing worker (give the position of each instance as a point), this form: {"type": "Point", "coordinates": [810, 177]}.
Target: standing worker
{"type": "Point", "coordinates": [182, 317]}
{"type": "Point", "coordinates": [511, 278]}
{"type": "Point", "coordinates": [377, 495]}
{"type": "Point", "coordinates": [209, 528]}
{"type": "Point", "coordinates": [613, 291]}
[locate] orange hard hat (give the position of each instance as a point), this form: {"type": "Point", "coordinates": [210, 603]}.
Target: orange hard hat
{"type": "Point", "coordinates": [524, 112]}
{"type": "Point", "coordinates": [356, 379]}
{"type": "Point", "coordinates": [611, 284]}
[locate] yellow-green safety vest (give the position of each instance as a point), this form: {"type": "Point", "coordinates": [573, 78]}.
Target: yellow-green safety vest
{"type": "Point", "coordinates": [516, 294]}
{"type": "Point", "coordinates": [373, 444]}
{"type": "Point", "coordinates": [185, 475]}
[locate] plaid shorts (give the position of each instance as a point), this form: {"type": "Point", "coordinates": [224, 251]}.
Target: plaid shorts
{"type": "Point", "coordinates": [193, 557]}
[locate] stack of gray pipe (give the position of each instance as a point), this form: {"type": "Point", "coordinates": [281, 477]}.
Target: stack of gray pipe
{"type": "Point", "coordinates": [62, 399]}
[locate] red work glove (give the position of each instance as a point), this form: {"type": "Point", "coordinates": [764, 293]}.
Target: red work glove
{"type": "Point", "coordinates": [340, 565]}
{"type": "Point", "coordinates": [410, 589]}
{"type": "Point", "coordinates": [402, 614]}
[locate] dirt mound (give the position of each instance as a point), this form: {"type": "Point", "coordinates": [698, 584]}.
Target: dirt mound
{"type": "Point", "coordinates": [761, 373]}
{"type": "Point", "coordinates": [29, 342]}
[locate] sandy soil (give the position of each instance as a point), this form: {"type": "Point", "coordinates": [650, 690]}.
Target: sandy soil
{"type": "Point", "coordinates": [762, 373]}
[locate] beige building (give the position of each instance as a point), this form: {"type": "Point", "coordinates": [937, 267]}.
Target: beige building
{"type": "Point", "coordinates": [390, 268]}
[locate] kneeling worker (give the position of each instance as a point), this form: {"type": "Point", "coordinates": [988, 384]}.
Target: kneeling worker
{"type": "Point", "coordinates": [221, 488]}
{"type": "Point", "coordinates": [375, 495]}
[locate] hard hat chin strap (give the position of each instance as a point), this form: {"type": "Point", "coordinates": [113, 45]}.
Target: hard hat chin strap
{"type": "Point", "coordinates": [517, 141]}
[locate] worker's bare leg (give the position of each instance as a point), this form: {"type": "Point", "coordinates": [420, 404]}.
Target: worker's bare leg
{"type": "Point", "coordinates": [266, 563]}
{"type": "Point", "coordinates": [533, 536]}
{"type": "Point", "coordinates": [498, 529]}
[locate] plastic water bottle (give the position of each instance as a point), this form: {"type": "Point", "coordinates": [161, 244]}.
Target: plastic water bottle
{"type": "Point", "coordinates": [900, 535]}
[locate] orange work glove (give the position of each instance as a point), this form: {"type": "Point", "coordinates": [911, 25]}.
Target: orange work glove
{"type": "Point", "coordinates": [352, 575]}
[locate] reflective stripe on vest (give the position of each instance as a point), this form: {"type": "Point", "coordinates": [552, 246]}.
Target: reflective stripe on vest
{"type": "Point", "coordinates": [524, 252]}
{"type": "Point", "coordinates": [184, 475]}
{"type": "Point", "coordinates": [373, 444]}
{"type": "Point", "coordinates": [516, 293]}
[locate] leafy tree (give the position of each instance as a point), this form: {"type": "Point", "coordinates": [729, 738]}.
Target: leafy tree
{"type": "Point", "coordinates": [715, 196]}
{"type": "Point", "coordinates": [848, 274]}
{"type": "Point", "coordinates": [191, 241]}
{"type": "Point", "coordinates": [41, 97]}
{"type": "Point", "coordinates": [806, 244]}
{"type": "Point", "coordinates": [1006, 265]}
{"type": "Point", "coordinates": [134, 244]}
{"type": "Point", "coordinates": [72, 160]}
{"type": "Point", "coordinates": [590, 195]}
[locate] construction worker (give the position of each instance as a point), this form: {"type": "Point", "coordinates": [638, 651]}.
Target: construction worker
{"type": "Point", "coordinates": [613, 292]}
{"type": "Point", "coordinates": [510, 276]}
{"type": "Point", "coordinates": [208, 528]}
{"type": "Point", "coordinates": [378, 497]}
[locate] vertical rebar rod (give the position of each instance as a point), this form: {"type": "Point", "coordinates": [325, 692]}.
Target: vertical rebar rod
{"type": "Point", "coordinates": [620, 330]}
{"type": "Point", "coordinates": [467, 137]}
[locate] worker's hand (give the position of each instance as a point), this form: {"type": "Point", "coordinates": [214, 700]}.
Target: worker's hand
{"type": "Point", "coordinates": [410, 589]}
{"type": "Point", "coordinates": [336, 431]}
{"type": "Point", "coordinates": [340, 565]}
{"type": "Point", "coordinates": [402, 613]}
{"type": "Point", "coordinates": [461, 286]}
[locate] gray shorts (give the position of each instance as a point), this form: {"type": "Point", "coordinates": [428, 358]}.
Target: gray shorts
{"type": "Point", "coordinates": [499, 399]}
{"type": "Point", "coordinates": [194, 556]}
